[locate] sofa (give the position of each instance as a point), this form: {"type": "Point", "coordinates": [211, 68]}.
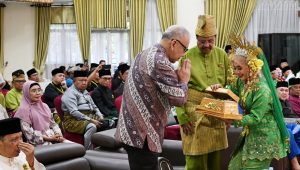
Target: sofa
{"type": "Point", "coordinates": [73, 156]}
{"type": "Point", "coordinates": [172, 149]}
{"type": "Point", "coordinates": [62, 156]}
{"type": "Point", "coordinates": [109, 154]}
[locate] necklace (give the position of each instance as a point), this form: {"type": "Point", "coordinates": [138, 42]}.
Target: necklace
{"type": "Point", "coordinates": [60, 89]}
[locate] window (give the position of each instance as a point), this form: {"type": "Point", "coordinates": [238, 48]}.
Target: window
{"type": "Point", "coordinates": [64, 48]}
{"type": "Point", "coordinates": [281, 45]}
{"type": "Point", "coordinates": [153, 32]}
{"type": "Point", "coordinates": [111, 46]}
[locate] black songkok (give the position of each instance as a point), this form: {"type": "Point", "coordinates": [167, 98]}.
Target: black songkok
{"type": "Point", "coordinates": [282, 84]}
{"type": "Point", "coordinates": [285, 69]}
{"type": "Point", "coordinates": [10, 126]}
{"type": "Point", "coordinates": [294, 81]}
{"type": "Point", "coordinates": [56, 71]}
{"type": "Point", "coordinates": [79, 73]}
{"type": "Point", "coordinates": [30, 72]}
{"type": "Point", "coordinates": [273, 68]}
{"type": "Point", "coordinates": [123, 67]}
{"type": "Point", "coordinates": [104, 72]}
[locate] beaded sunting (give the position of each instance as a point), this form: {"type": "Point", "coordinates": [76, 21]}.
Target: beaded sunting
{"type": "Point", "coordinates": [241, 47]}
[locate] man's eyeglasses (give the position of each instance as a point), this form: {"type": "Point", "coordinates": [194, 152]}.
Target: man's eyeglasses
{"type": "Point", "coordinates": [19, 81]}
{"type": "Point", "coordinates": [185, 49]}
{"type": "Point", "coordinates": [203, 41]}
{"type": "Point", "coordinates": [106, 78]}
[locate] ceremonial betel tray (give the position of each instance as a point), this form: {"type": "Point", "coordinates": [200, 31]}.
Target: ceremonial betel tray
{"type": "Point", "coordinates": [225, 105]}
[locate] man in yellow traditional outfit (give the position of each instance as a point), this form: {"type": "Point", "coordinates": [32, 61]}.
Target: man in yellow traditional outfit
{"type": "Point", "coordinates": [14, 96]}
{"type": "Point", "coordinates": [203, 136]}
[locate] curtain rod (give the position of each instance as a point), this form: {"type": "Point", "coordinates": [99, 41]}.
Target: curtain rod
{"type": "Point", "coordinates": [40, 5]}
{"type": "Point", "coordinates": [51, 5]}
{"type": "Point", "coordinates": [62, 5]}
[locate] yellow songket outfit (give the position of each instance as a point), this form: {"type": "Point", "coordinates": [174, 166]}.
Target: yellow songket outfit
{"type": "Point", "coordinates": [209, 132]}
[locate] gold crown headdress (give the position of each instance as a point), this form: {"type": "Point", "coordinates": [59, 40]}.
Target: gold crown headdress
{"type": "Point", "coordinates": [241, 47]}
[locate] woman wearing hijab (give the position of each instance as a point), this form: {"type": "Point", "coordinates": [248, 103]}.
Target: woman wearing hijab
{"type": "Point", "coordinates": [264, 135]}
{"type": "Point", "coordinates": [37, 121]}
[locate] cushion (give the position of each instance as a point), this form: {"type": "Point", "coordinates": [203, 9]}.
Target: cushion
{"type": "Point", "coordinates": [49, 154]}
{"type": "Point", "coordinates": [74, 164]}
{"type": "Point", "coordinates": [106, 139]}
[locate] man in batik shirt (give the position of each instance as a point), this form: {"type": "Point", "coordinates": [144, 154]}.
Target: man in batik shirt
{"type": "Point", "coordinates": [152, 87]}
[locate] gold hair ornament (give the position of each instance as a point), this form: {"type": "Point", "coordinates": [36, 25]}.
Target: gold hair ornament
{"type": "Point", "coordinates": [241, 47]}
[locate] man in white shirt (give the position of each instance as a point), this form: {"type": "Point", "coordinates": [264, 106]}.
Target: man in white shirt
{"type": "Point", "coordinates": [287, 73]}
{"type": "Point", "coordinates": [14, 153]}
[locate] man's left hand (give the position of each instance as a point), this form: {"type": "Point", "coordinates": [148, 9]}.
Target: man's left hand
{"type": "Point", "coordinates": [28, 149]}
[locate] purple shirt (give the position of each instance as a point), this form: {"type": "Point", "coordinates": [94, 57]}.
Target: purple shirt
{"type": "Point", "coordinates": [295, 104]}
{"type": "Point", "coordinates": [151, 89]}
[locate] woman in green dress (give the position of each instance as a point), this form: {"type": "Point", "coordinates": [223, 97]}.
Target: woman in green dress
{"type": "Point", "coordinates": [264, 135]}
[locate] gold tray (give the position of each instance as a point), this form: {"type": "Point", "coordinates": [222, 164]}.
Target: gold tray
{"type": "Point", "coordinates": [224, 109]}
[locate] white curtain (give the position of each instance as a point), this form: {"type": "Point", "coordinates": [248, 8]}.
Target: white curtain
{"type": "Point", "coordinates": [153, 32]}
{"type": "Point", "coordinates": [63, 49]}
{"type": "Point", "coordinates": [111, 46]}
{"type": "Point", "coordinates": [273, 16]}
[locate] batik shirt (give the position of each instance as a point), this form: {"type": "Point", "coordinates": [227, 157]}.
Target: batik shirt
{"type": "Point", "coordinates": [295, 104]}
{"type": "Point", "coordinates": [151, 89]}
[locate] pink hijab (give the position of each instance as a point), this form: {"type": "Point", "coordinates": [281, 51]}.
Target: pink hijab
{"type": "Point", "coordinates": [37, 114]}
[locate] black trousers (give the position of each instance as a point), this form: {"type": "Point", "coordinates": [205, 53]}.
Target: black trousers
{"type": "Point", "coordinates": [141, 159]}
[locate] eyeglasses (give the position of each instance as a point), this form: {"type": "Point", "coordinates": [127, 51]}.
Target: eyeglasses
{"type": "Point", "coordinates": [185, 49]}
{"type": "Point", "coordinates": [36, 91]}
{"type": "Point", "coordinates": [204, 41]}
{"type": "Point", "coordinates": [19, 81]}
{"type": "Point", "coordinates": [106, 78]}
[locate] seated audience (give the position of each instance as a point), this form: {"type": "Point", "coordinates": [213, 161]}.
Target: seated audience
{"type": "Point", "coordinates": [116, 79]}
{"type": "Point", "coordinates": [294, 100]}
{"type": "Point", "coordinates": [93, 66]}
{"type": "Point", "coordinates": [93, 77]}
{"type": "Point", "coordinates": [33, 75]}
{"type": "Point", "coordinates": [287, 73]}
{"type": "Point", "coordinates": [55, 88]}
{"type": "Point", "coordinates": [283, 63]}
{"type": "Point", "coordinates": [6, 88]}
{"type": "Point", "coordinates": [283, 94]}
{"type": "Point", "coordinates": [63, 68]}
{"type": "Point", "coordinates": [123, 73]}
{"type": "Point", "coordinates": [103, 97]}
{"type": "Point", "coordinates": [81, 115]}
{"type": "Point", "coordinates": [70, 73]}
{"type": "Point", "coordinates": [3, 113]}
{"type": "Point", "coordinates": [79, 65]}
{"type": "Point", "coordinates": [14, 153]}
{"type": "Point", "coordinates": [228, 49]}
{"type": "Point", "coordinates": [2, 97]}
{"type": "Point", "coordinates": [13, 97]}
{"type": "Point", "coordinates": [276, 74]}
{"type": "Point", "coordinates": [102, 62]}
{"type": "Point", "coordinates": [37, 120]}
